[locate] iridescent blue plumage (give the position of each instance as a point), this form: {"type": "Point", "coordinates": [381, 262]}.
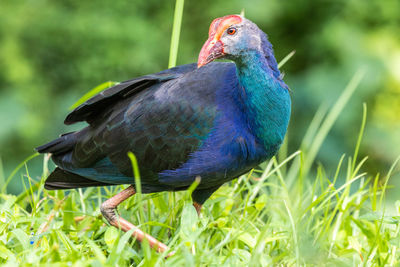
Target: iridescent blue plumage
{"type": "Point", "coordinates": [217, 121]}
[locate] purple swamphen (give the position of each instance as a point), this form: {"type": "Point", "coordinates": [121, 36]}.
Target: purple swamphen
{"type": "Point", "coordinates": [214, 120]}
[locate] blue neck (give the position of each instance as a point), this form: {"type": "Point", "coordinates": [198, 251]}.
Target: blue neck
{"type": "Point", "coordinates": [266, 99]}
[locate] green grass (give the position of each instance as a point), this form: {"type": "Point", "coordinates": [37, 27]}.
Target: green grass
{"type": "Point", "coordinates": [176, 30]}
{"type": "Point", "coordinates": [285, 213]}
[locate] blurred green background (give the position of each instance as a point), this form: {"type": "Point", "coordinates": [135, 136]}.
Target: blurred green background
{"type": "Point", "coordinates": [52, 52]}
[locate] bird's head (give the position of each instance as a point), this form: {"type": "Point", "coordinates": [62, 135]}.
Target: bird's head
{"type": "Point", "coordinates": [231, 37]}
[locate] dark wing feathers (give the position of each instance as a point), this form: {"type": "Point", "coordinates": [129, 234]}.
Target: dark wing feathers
{"type": "Point", "coordinates": [90, 109]}
{"type": "Point", "coordinates": [63, 144]}
{"type": "Point", "coordinates": [60, 179]}
{"type": "Point", "coordinates": [161, 125]}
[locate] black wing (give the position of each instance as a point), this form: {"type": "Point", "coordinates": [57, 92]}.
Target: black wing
{"type": "Point", "coordinates": [95, 105]}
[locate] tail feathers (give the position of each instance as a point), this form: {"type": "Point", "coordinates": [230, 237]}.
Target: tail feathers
{"type": "Point", "coordinates": [61, 145]}
{"type": "Point", "coordinates": [61, 179]}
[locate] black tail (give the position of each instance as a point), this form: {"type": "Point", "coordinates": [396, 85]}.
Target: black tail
{"type": "Point", "coordinates": [61, 145]}
{"type": "Point", "coordinates": [60, 179]}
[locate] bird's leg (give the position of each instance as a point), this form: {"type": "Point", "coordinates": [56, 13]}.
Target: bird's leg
{"type": "Point", "coordinates": [200, 195]}
{"type": "Point", "coordinates": [108, 209]}
{"type": "Point", "coordinates": [197, 206]}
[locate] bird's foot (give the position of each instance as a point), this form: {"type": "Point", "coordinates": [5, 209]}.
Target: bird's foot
{"type": "Point", "coordinates": [108, 209]}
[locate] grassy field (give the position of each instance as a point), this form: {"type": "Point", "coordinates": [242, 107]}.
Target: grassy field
{"type": "Point", "coordinates": [290, 212]}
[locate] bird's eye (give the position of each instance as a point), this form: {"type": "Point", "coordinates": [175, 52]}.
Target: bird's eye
{"type": "Point", "coordinates": [231, 31]}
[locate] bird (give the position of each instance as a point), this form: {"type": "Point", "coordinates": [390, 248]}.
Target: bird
{"type": "Point", "coordinates": [212, 120]}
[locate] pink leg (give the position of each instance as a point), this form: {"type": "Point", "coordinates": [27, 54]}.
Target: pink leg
{"type": "Point", "coordinates": [108, 209]}
{"type": "Point", "coordinates": [197, 206]}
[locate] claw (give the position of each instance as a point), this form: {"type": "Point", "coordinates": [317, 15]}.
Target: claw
{"type": "Point", "coordinates": [108, 209]}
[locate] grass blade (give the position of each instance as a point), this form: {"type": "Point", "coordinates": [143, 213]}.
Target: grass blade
{"type": "Point", "coordinates": [176, 30]}
{"type": "Point", "coordinates": [286, 59]}
{"type": "Point", "coordinates": [331, 118]}
{"type": "Point", "coordinates": [9, 178]}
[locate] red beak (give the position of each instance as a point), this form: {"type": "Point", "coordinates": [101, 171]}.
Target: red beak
{"type": "Point", "coordinates": [214, 48]}
{"type": "Point", "coordinates": [211, 50]}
